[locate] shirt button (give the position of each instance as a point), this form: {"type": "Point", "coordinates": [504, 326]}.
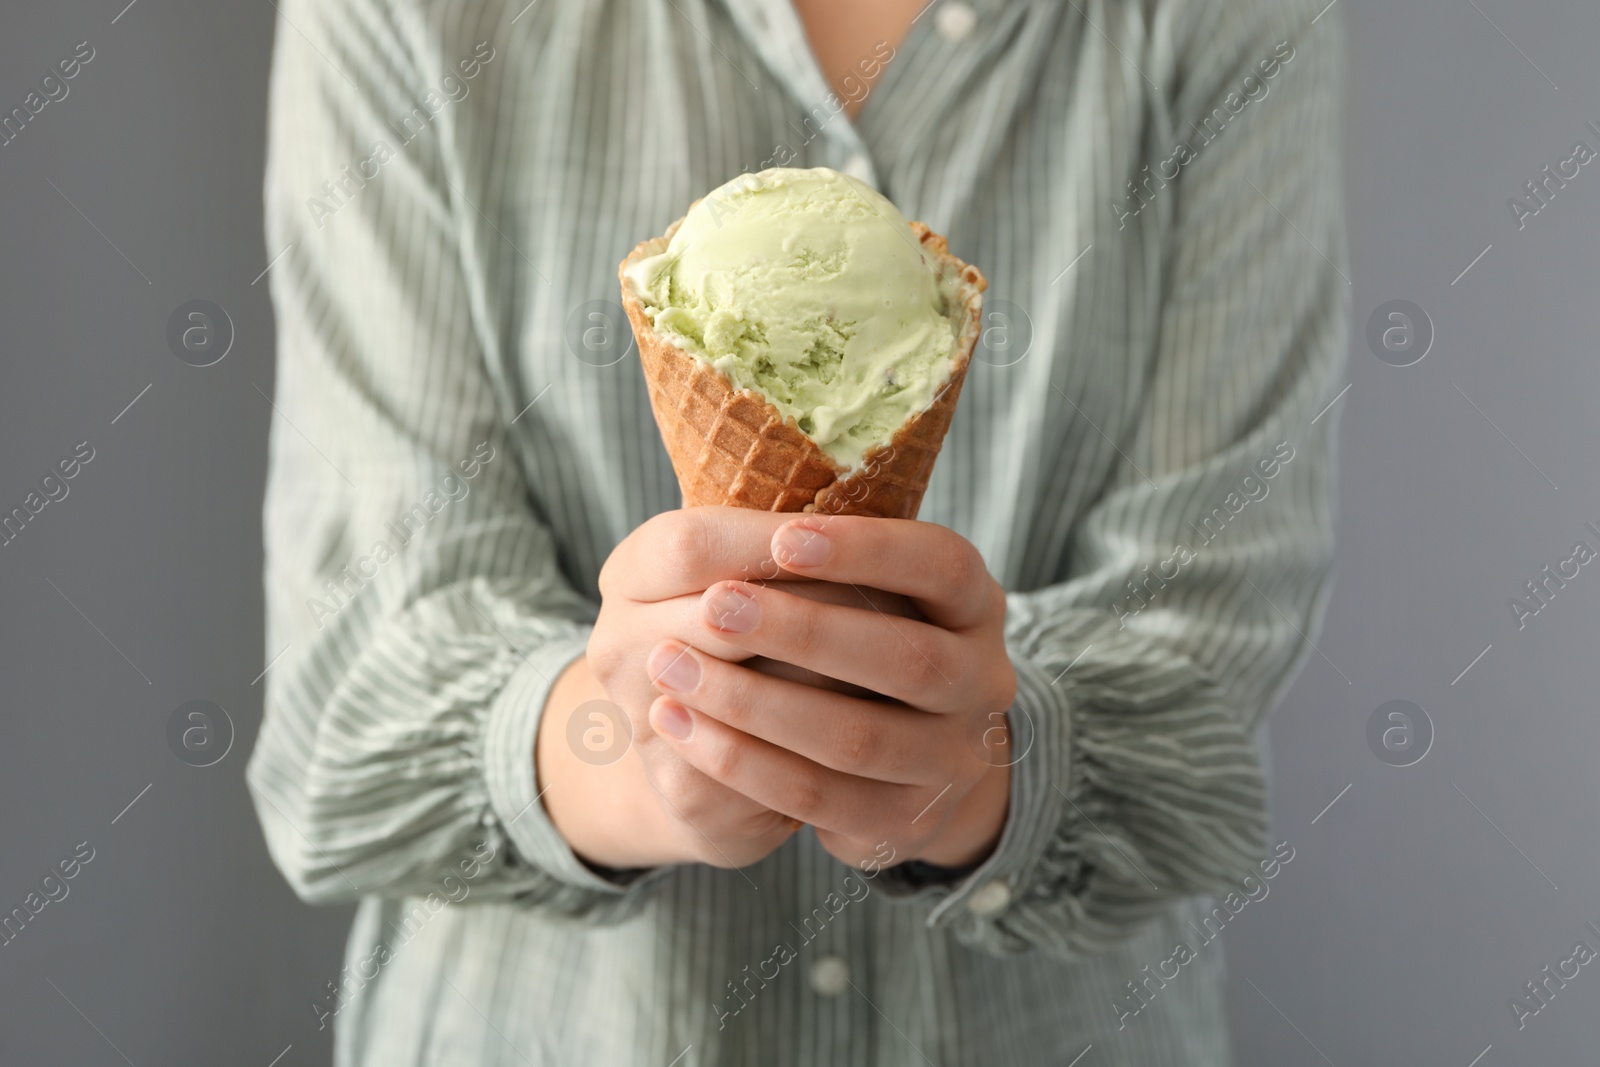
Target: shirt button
{"type": "Point", "coordinates": [830, 976]}
{"type": "Point", "coordinates": [859, 168]}
{"type": "Point", "coordinates": [955, 20]}
{"type": "Point", "coordinates": [990, 899]}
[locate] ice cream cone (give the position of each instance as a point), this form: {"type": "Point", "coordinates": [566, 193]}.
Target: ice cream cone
{"type": "Point", "coordinates": [732, 446]}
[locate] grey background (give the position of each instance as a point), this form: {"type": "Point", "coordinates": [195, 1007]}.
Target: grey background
{"type": "Point", "coordinates": [1408, 917]}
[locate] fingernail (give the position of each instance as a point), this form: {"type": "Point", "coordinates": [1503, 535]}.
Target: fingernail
{"type": "Point", "coordinates": [670, 718]}
{"type": "Point", "coordinates": [799, 546]}
{"type": "Point", "coordinates": [673, 668]}
{"type": "Point", "coordinates": [730, 611]}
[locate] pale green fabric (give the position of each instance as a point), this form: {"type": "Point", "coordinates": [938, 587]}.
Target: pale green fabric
{"type": "Point", "coordinates": [450, 186]}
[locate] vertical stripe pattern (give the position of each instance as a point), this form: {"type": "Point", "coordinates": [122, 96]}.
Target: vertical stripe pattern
{"type": "Point", "coordinates": [1152, 189]}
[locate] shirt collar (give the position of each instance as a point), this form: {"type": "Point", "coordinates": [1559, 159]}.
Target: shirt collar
{"type": "Point", "coordinates": [774, 30]}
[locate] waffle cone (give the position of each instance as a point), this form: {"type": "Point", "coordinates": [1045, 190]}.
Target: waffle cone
{"type": "Point", "coordinates": [731, 446]}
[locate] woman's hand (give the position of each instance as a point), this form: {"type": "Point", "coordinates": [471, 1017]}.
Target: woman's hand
{"type": "Point", "coordinates": [925, 769]}
{"type": "Point", "coordinates": [649, 806]}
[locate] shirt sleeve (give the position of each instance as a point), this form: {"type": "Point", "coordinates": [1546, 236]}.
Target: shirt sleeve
{"type": "Point", "coordinates": [416, 612]}
{"type": "Point", "coordinates": [1197, 580]}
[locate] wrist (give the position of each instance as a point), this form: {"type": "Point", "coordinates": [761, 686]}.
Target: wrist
{"type": "Point", "coordinates": [603, 810]}
{"type": "Point", "coordinates": [973, 829]}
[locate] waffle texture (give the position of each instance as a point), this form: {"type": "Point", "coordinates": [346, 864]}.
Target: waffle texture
{"type": "Point", "coordinates": [731, 446]}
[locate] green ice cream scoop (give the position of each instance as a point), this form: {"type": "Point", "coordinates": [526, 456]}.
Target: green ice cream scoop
{"type": "Point", "coordinates": [808, 287]}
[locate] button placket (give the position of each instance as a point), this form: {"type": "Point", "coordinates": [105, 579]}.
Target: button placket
{"type": "Point", "coordinates": [829, 975]}
{"type": "Point", "coordinates": [955, 20]}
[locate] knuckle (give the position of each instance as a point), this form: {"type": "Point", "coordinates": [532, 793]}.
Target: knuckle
{"type": "Point", "coordinates": [734, 691]}
{"type": "Point", "coordinates": [806, 797]}
{"type": "Point", "coordinates": [974, 676]}
{"type": "Point", "coordinates": [678, 790]}
{"type": "Point", "coordinates": [856, 743]}
{"type": "Point", "coordinates": [921, 670]}
{"type": "Point", "coordinates": [613, 570]}
{"type": "Point", "coordinates": [679, 544]}
{"type": "Point", "coordinates": [806, 633]}
{"type": "Point", "coordinates": [995, 603]}
{"type": "Point", "coordinates": [962, 564]}
{"type": "Point", "coordinates": [604, 656]}
{"type": "Point", "coordinates": [721, 760]}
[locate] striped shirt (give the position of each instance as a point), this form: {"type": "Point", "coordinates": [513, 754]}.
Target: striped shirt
{"type": "Point", "coordinates": [1140, 453]}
